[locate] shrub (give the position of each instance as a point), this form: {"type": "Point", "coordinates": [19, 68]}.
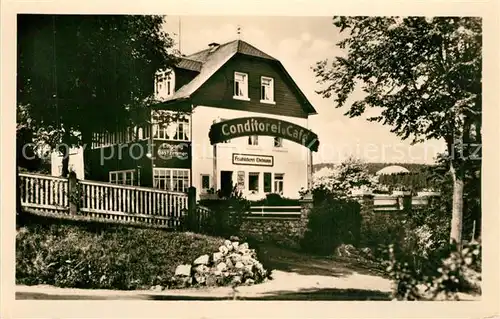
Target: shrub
{"type": "Point", "coordinates": [275, 200]}
{"type": "Point", "coordinates": [443, 272]}
{"type": "Point", "coordinates": [228, 214]}
{"type": "Point", "coordinates": [110, 257]}
{"type": "Point", "coordinates": [331, 223]}
{"type": "Point", "coordinates": [378, 230]}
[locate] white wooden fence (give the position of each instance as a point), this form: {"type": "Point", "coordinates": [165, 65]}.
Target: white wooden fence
{"type": "Point", "coordinates": [104, 200]}
{"type": "Point", "coordinates": [42, 192]}
{"type": "Point", "coordinates": [275, 212]}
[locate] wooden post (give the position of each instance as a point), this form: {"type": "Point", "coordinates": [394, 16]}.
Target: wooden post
{"type": "Point", "coordinates": [73, 193]}
{"type": "Point", "coordinates": [192, 218]}
{"type": "Point", "coordinates": [407, 203]}
{"type": "Point", "coordinates": [214, 174]}
{"type": "Point", "coordinates": [310, 171]}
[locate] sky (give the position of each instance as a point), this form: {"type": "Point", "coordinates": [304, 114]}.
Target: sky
{"type": "Point", "coordinates": [299, 42]}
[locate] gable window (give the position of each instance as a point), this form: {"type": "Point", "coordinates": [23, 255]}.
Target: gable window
{"type": "Point", "coordinates": [278, 142]}
{"type": "Point", "coordinates": [267, 90]}
{"type": "Point", "coordinates": [253, 140]}
{"type": "Point", "coordinates": [164, 84]}
{"type": "Point", "coordinates": [241, 86]}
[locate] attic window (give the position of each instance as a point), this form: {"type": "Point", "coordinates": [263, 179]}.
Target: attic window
{"type": "Point", "coordinates": [267, 90]}
{"type": "Point", "coordinates": [241, 86]}
{"type": "Point", "coordinates": [164, 84]}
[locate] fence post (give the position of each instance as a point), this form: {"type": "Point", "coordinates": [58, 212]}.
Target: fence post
{"type": "Point", "coordinates": [73, 193]}
{"type": "Point", "coordinates": [192, 221]}
{"type": "Point", "coordinates": [407, 203]}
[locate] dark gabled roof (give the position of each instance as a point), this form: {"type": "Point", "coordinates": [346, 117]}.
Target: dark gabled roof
{"type": "Point", "coordinates": [208, 61]}
{"type": "Point", "coordinates": [189, 64]}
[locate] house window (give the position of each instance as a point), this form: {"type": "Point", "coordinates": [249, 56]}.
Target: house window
{"type": "Point", "coordinates": [241, 86]}
{"type": "Point", "coordinates": [125, 177]}
{"type": "Point", "coordinates": [267, 183]}
{"type": "Point", "coordinates": [164, 84]}
{"type": "Point", "coordinates": [176, 180]}
{"type": "Point", "coordinates": [278, 183]}
{"type": "Point", "coordinates": [278, 142]}
{"type": "Point", "coordinates": [177, 129]}
{"type": "Point", "coordinates": [253, 140]}
{"type": "Point", "coordinates": [266, 89]}
{"type": "Point", "coordinates": [253, 182]}
{"type": "Point", "coordinates": [205, 182]}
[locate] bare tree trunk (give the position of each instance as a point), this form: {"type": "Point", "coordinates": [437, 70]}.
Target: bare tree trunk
{"type": "Point", "coordinates": [457, 208]}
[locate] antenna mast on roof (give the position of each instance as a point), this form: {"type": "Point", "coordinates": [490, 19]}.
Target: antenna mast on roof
{"type": "Point", "coordinates": [180, 35]}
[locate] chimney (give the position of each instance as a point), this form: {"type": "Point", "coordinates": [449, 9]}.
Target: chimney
{"type": "Point", "coordinates": [213, 46]}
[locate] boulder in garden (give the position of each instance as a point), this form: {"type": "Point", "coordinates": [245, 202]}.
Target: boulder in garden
{"type": "Point", "coordinates": [249, 281]}
{"type": "Point", "coordinates": [202, 260]}
{"type": "Point", "coordinates": [183, 270]}
{"type": "Point", "coordinates": [201, 269]}
{"type": "Point", "coordinates": [235, 245]}
{"type": "Point", "coordinates": [200, 278]}
{"type": "Point", "coordinates": [217, 256]}
{"type": "Point", "coordinates": [223, 249]}
{"type": "Point", "coordinates": [157, 288]}
{"type": "Point", "coordinates": [222, 266]}
{"type": "Point", "coordinates": [243, 247]}
{"type": "Point", "coordinates": [236, 280]}
{"type": "Point", "coordinates": [239, 265]}
{"type": "Point", "coordinates": [229, 263]}
{"type": "Point", "coordinates": [235, 257]}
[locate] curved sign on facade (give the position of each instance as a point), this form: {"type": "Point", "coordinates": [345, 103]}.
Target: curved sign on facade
{"type": "Point", "coordinates": [246, 126]}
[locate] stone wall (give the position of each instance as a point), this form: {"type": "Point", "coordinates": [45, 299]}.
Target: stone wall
{"type": "Point", "coordinates": [381, 226]}
{"type": "Point", "coordinates": [282, 231]}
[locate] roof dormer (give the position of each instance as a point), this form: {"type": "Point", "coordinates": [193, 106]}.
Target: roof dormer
{"type": "Point", "coordinates": [164, 84]}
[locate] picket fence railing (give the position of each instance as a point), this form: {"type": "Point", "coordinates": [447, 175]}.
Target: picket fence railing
{"type": "Point", "coordinates": [44, 192]}
{"type": "Point", "coordinates": [275, 212]}
{"type": "Point", "coordinates": [103, 200]}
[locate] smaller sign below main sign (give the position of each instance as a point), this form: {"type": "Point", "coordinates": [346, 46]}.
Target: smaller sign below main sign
{"type": "Point", "coordinates": [241, 180]}
{"type": "Point", "coordinates": [255, 160]}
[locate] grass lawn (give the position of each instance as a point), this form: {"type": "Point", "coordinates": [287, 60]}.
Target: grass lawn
{"type": "Point", "coordinates": [103, 256]}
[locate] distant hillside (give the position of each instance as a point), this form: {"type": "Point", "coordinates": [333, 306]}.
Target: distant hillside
{"type": "Point", "coordinates": [375, 167]}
